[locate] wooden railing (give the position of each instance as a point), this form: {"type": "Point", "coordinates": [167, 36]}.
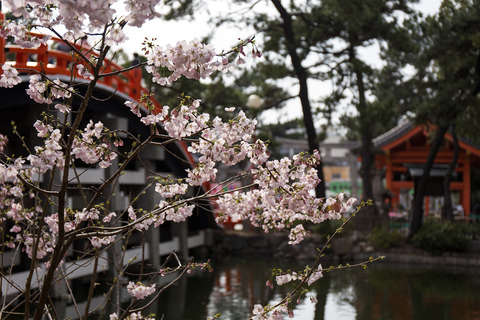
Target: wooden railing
{"type": "Point", "coordinates": [51, 61]}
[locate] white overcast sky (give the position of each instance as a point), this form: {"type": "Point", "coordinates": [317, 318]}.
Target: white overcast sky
{"type": "Point", "coordinates": [171, 32]}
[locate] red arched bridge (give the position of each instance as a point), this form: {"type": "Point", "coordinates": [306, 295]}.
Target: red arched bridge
{"type": "Point", "coordinates": [51, 60]}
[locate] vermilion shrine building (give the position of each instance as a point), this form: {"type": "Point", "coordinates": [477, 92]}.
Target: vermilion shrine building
{"type": "Point", "coordinates": [402, 153]}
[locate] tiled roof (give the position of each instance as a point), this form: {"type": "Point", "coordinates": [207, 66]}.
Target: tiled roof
{"type": "Point", "coordinates": [392, 134]}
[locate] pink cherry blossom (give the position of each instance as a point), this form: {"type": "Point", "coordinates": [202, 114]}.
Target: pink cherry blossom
{"type": "Point", "coordinates": [83, 72]}
{"type": "Point", "coordinates": [37, 90]}
{"type": "Point", "coordinates": [3, 142]}
{"type": "Point", "coordinates": [9, 77]}
{"type": "Point", "coordinates": [98, 242]}
{"type": "Point", "coordinates": [170, 190]}
{"type": "Point", "coordinates": [139, 290]}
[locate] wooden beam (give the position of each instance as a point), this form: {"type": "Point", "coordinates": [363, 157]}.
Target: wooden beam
{"type": "Point", "coordinates": [402, 184]}
{"type": "Point", "coordinates": [409, 155]}
{"type": "Point", "coordinates": [409, 185]}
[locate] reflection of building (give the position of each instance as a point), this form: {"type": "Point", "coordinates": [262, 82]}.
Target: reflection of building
{"type": "Point", "coordinates": [339, 164]}
{"type": "Point", "coordinates": [402, 153]}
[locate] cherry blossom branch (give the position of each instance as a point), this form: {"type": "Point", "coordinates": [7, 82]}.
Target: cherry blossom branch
{"type": "Point", "coordinates": [74, 48]}
{"type": "Point", "coordinates": [36, 188]}
{"type": "Point", "coordinates": [316, 269]}
{"type": "Point", "coordinates": [92, 286]}
{"type": "Point", "coordinates": [117, 72]}
{"type": "Point", "coordinates": [56, 257]}
{"type": "Point", "coordinates": [163, 289]}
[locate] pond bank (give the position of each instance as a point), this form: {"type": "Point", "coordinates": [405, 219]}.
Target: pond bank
{"type": "Point", "coordinates": [344, 249]}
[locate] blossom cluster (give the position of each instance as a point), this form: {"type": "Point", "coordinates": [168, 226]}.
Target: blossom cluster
{"type": "Point", "coordinates": [23, 230]}
{"type": "Point", "coordinates": [84, 72]}
{"type": "Point", "coordinates": [131, 316]}
{"type": "Point", "coordinates": [219, 141]}
{"type": "Point", "coordinates": [44, 246]}
{"type": "Point", "coordinates": [141, 11]}
{"type": "Point", "coordinates": [87, 148]}
{"type": "Point", "coordinates": [11, 192]}
{"type": "Point", "coordinates": [261, 313]}
{"type": "Point", "coordinates": [84, 148]}
{"type": "Point", "coordinates": [284, 198]}
{"type": "Point", "coordinates": [49, 155]}
{"type": "Point", "coordinates": [20, 33]}
{"type": "Point", "coordinates": [193, 60]}
{"type": "Point", "coordinates": [297, 235]}
{"type": "Point", "coordinates": [9, 77]}
{"type": "Point", "coordinates": [227, 142]}
{"type": "Point", "coordinates": [273, 313]}
{"type": "Point", "coordinates": [75, 17]}
{"type": "Point", "coordinates": [173, 213]}
{"type": "Point", "coordinates": [139, 290]}
{"type": "Point", "coordinates": [293, 276]}
{"type": "Point", "coordinates": [3, 142]}
{"type": "Point", "coordinates": [47, 91]}
{"type": "Point", "coordinates": [171, 190]}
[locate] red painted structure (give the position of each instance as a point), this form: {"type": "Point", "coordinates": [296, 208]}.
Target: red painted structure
{"type": "Point", "coordinates": [51, 61]}
{"type": "Point", "coordinates": [408, 146]}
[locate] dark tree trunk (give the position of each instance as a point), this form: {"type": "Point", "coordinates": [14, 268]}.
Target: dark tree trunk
{"type": "Point", "coordinates": [302, 77]}
{"type": "Point", "coordinates": [447, 213]}
{"type": "Point", "coordinates": [366, 135]}
{"type": "Point", "coordinates": [371, 213]}
{"type": "Point", "coordinates": [417, 215]}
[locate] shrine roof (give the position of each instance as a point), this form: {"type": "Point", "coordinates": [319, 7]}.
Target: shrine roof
{"type": "Point", "coordinates": [406, 130]}
{"type": "Point", "coordinates": [393, 134]}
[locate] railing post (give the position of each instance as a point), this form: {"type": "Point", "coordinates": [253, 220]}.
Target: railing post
{"type": "Point", "coordinates": [135, 82]}
{"type": "Point", "coordinates": [43, 55]}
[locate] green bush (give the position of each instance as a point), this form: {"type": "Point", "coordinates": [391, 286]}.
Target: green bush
{"type": "Point", "coordinates": [438, 237]}
{"type": "Point", "coordinates": [383, 239]}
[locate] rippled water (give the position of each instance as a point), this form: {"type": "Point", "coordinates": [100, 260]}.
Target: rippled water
{"type": "Point", "coordinates": [383, 291]}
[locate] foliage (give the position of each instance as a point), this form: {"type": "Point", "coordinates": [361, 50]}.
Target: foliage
{"type": "Point", "coordinates": [438, 237]}
{"type": "Point", "coordinates": [384, 239]}
{"type": "Point", "coordinates": [445, 78]}
{"type": "Point", "coordinates": [443, 51]}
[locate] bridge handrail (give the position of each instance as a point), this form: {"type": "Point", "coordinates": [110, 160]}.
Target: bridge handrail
{"type": "Point", "coordinates": [128, 82]}
{"type": "Point", "coordinates": [54, 61]}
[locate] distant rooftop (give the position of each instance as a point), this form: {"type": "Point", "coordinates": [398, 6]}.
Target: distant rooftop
{"type": "Point", "coordinates": [392, 134]}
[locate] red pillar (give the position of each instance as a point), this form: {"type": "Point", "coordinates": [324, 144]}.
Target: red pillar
{"type": "Point", "coordinates": [466, 186]}
{"type": "Point", "coordinates": [427, 205]}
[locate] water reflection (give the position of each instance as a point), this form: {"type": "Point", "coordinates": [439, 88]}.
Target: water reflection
{"type": "Point", "coordinates": [383, 291]}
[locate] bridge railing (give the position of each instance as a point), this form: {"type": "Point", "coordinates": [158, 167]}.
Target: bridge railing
{"type": "Point", "coordinates": [50, 60]}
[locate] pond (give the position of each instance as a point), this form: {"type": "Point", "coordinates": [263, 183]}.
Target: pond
{"type": "Point", "coordinates": [382, 291]}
